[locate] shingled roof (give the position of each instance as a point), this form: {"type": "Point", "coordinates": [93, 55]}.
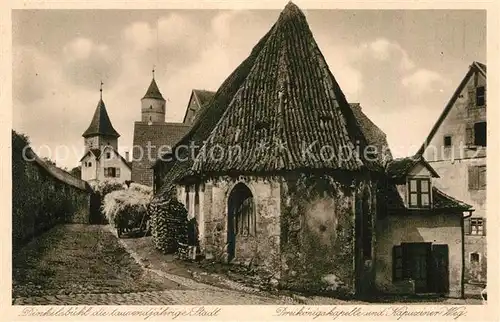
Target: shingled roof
{"type": "Point", "coordinates": [153, 91]}
{"type": "Point", "coordinates": [282, 94]}
{"type": "Point", "coordinates": [100, 124]}
{"type": "Point", "coordinates": [398, 169]}
{"type": "Point", "coordinates": [374, 135]}
{"type": "Point", "coordinates": [158, 135]}
{"type": "Point", "coordinates": [203, 96]}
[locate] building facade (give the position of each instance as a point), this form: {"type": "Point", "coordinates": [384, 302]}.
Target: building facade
{"type": "Point", "coordinates": [456, 148]}
{"type": "Point", "coordinates": [101, 160]}
{"type": "Point", "coordinates": [277, 182]}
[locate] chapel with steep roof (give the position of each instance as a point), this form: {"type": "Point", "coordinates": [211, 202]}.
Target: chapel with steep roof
{"type": "Point", "coordinates": [294, 180]}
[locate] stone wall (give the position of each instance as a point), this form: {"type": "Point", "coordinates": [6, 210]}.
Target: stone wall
{"type": "Point", "coordinates": [43, 195]}
{"type": "Point", "coordinates": [317, 234]}
{"type": "Point", "coordinates": [261, 249]}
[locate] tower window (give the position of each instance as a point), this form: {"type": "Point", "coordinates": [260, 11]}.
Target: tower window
{"type": "Point", "coordinates": [108, 155]}
{"type": "Point", "coordinates": [474, 258]}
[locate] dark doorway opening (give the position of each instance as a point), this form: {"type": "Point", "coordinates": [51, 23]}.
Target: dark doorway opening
{"type": "Point", "coordinates": [426, 264]}
{"type": "Point", "coordinates": [241, 216]}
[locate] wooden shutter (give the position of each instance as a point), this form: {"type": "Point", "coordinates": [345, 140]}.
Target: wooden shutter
{"type": "Point", "coordinates": [440, 269]}
{"type": "Point", "coordinates": [482, 177]}
{"type": "Point", "coordinates": [484, 226]}
{"type": "Point", "coordinates": [469, 135]}
{"type": "Point", "coordinates": [467, 228]}
{"type": "Point", "coordinates": [117, 172]}
{"type": "Point", "coordinates": [473, 178]}
{"type": "Point", "coordinates": [397, 263]}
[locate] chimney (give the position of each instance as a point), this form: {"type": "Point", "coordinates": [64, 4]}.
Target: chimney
{"type": "Point", "coordinates": [127, 155]}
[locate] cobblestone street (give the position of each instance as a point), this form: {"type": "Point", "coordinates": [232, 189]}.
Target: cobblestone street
{"type": "Point", "coordinates": [86, 265]}
{"type": "Point", "coordinates": [89, 265]}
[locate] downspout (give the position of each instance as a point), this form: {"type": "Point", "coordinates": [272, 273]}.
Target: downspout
{"type": "Point", "coordinates": [462, 278]}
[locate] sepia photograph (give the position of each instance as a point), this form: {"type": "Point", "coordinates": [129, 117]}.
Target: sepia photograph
{"type": "Point", "coordinates": [290, 156]}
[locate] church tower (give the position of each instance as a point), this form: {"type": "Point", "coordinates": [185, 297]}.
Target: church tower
{"type": "Point", "coordinates": [100, 132]}
{"type": "Point", "coordinates": [153, 104]}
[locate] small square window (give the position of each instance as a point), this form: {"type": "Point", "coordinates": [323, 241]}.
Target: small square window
{"type": "Point", "coordinates": [447, 141]}
{"type": "Point", "coordinates": [474, 258]}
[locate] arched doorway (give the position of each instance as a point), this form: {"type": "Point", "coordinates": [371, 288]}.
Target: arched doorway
{"type": "Point", "coordinates": [240, 216]}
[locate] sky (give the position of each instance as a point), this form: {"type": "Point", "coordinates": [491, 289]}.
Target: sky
{"type": "Point", "coordinates": [402, 66]}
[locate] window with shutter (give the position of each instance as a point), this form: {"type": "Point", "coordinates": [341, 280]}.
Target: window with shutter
{"type": "Point", "coordinates": [477, 177]}
{"type": "Point", "coordinates": [117, 172]}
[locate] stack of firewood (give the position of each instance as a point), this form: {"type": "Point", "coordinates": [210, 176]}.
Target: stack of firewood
{"type": "Point", "coordinates": [168, 224]}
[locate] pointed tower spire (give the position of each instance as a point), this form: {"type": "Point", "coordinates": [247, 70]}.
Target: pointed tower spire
{"type": "Point", "coordinates": [100, 124]}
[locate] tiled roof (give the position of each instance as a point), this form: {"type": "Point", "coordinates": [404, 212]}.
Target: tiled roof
{"type": "Point", "coordinates": [95, 152]}
{"type": "Point", "coordinates": [373, 134]}
{"type": "Point", "coordinates": [153, 91]}
{"type": "Point", "coordinates": [398, 169]}
{"type": "Point", "coordinates": [58, 173]}
{"type": "Point", "coordinates": [158, 134]}
{"type": "Point", "coordinates": [203, 96]}
{"type": "Point", "coordinates": [288, 100]}
{"type": "Point", "coordinates": [211, 114]}
{"type": "Point", "coordinates": [443, 201]}
{"type": "Point", "coordinates": [100, 124]}
{"type": "Point", "coordinates": [248, 110]}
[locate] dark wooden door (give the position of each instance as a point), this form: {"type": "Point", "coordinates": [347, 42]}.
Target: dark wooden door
{"type": "Point", "coordinates": [440, 269]}
{"type": "Point", "coordinates": [419, 264]}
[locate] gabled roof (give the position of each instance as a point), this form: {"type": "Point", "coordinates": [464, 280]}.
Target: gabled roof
{"type": "Point", "coordinates": [153, 91]}
{"type": "Point", "coordinates": [98, 153]}
{"type": "Point", "coordinates": [100, 124]}
{"type": "Point", "coordinates": [475, 66]}
{"type": "Point", "coordinates": [398, 169]}
{"type": "Point", "coordinates": [202, 98]}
